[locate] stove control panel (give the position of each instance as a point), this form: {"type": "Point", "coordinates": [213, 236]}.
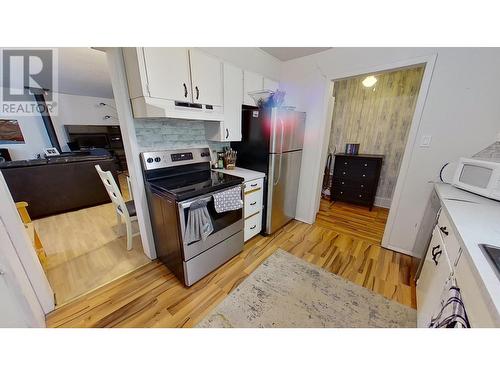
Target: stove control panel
{"type": "Point", "coordinates": [170, 158]}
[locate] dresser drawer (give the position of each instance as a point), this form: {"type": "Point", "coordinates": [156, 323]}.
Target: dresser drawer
{"type": "Point", "coordinates": [253, 225]}
{"type": "Point", "coordinates": [253, 202]}
{"type": "Point", "coordinates": [356, 168]}
{"type": "Point", "coordinates": [346, 183]}
{"type": "Point", "coordinates": [352, 195]}
{"type": "Point", "coordinates": [254, 185]}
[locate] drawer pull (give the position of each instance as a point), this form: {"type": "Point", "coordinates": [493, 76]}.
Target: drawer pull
{"type": "Point", "coordinates": [360, 195]}
{"type": "Point", "coordinates": [345, 163]}
{"type": "Point", "coordinates": [436, 254]}
{"type": "Point", "coordinates": [253, 227]}
{"type": "Point", "coordinates": [253, 203]}
{"type": "Point", "coordinates": [366, 165]}
{"type": "Point", "coordinates": [341, 192]}
{"type": "Point", "coordinates": [362, 186]}
{"type": "Point", "coordinates": [343, 182]}
{"type": "Point", "coordinates": [443, 229]}
{"type": "Point", "coordinates": [343, 172]}
{"type": "Point", "coordinates": [364, 175]}
{"type": "Point", "coordinates": [254, 185]}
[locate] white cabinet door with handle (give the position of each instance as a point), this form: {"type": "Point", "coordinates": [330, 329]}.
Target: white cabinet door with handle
{"type": "Point", "coordinates": [167, 72]}
{"type": "Point", "coordinates": [206, 75]}
{"type": "Point", "coordinates": [435, 271]}
{"type": "Point", "coordinates": [233, 99]}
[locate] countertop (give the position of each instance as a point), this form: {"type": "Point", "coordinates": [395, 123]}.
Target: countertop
{"type": "Point", "coordinates": [246, 174]}
{"type": "Point", "coordinates": [475, 220]}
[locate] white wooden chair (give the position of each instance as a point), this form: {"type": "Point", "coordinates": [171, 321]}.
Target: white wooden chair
{"type": "Point", "coordinates": [125, 210]}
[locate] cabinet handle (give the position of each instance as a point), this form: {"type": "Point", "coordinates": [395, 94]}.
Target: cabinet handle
{"type": "Point", "coordinates": [185, 90]}
{"type": "Point", "coordinates": [197, 92]}
{"type": "Point", "coordinates": [253, 203]}
{"type": "Point", "coordinates": [436, 254]}
{"type": "Point", "coordinates": [254, 185]}
{"type": "Point", "coordinates": [443, 229]}
{"type": "Point", "coordinates": [255, 226]}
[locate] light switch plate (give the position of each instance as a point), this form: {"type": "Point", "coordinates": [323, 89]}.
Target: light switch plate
{"type": "Point", "coordinates": [426, 141]}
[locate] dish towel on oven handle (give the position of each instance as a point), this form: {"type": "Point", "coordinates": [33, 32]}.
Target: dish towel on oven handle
{"type": "Point", "coordinates": [452, 313]}
{"type": "Point", "coordinates": [228, 200]}
{"type": "Point", "coordinates": [199, 224]}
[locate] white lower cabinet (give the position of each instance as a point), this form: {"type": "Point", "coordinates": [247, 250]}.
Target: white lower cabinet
{"type": "Point", "coordinates": [435, 271]}
{"type": "Point", "coordinates": [253, 207]}
{"type": "Point", "coordinates": [446, 259]}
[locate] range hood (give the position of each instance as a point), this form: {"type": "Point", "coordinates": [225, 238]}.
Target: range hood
{"type": "Point", "coordinates": [147, 107]}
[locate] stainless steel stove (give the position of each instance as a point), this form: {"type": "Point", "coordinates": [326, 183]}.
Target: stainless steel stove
{"type": "Point", "coordinates": [174, 180]}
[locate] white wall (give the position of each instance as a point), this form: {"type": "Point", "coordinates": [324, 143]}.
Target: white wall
{"type": "Point", "coordinates": [72, 110]}
{"type": "Point", "coordinates": [249, 58]}
{"type": "Point", "coordinates": [461, 114]}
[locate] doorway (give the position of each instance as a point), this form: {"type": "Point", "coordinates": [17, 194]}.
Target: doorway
{"type": "Point", "coordinates": [375, 112]}
{"type": "Point", "coordinates": [64, 206]}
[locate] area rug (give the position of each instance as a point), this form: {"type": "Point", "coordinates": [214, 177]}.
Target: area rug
{"type": "Point", "coordinates": [285, 291]}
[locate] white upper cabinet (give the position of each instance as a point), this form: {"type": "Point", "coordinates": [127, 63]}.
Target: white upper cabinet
{"type": "Point", "coordinates": [251, 82]}
{"type": "Point", "coordinates": [206, 76]}
{"type": "Point", "coordinates": [230, 128]}
{"type": "Point", "coordinates": [167, 72]}
{"type": "Point", "coordinates": [269, 84]}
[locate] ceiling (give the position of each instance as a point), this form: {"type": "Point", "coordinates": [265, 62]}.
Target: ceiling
{"type": "Point", "coordinates": [289, 53]}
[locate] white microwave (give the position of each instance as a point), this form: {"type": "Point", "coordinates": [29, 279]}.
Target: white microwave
{"type": "Point", "coordinates": [479, 177]}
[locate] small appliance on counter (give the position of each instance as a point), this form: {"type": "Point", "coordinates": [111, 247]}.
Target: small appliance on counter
{"type": "Point", "coordinates": [478, 176]}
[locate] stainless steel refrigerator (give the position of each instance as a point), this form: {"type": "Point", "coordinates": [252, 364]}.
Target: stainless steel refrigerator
{"type": "Point", "coordinates": [272, 140]}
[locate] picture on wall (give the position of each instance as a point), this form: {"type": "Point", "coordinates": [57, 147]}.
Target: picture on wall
{"type": "Point", "coordinates": [10, 132]}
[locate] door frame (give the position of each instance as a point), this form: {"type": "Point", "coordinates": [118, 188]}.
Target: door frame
{"type": "Point", "coordinates": [429, 62]}
{"type": "Point", "coordinates": [30, 275]}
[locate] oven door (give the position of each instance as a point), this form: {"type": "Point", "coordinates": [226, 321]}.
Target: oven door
{"type": "Point", "coordinates": [225, 224]}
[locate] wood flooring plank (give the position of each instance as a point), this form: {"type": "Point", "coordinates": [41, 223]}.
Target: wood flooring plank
{"type": "Point", "coordinates": [344, 240]}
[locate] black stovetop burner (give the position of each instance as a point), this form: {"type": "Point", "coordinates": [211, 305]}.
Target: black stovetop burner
{"type": "Point", "coordinates": [189, 185]}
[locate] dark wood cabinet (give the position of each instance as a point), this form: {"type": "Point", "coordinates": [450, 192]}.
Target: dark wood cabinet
{"type": "Point", "coordinates": [355, 178]}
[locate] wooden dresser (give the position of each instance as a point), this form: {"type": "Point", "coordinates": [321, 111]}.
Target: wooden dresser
{"type": "Point", "coordinates": [355, 178]}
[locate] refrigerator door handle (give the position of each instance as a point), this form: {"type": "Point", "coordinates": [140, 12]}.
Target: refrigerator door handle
{"type": "Point", "coordinates": [281, 154]}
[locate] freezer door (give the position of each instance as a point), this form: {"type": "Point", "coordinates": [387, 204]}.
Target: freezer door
{"type": "Point", "coordinates": [287, 130]}
{"type": "Point", "coordinates": [282, 188]}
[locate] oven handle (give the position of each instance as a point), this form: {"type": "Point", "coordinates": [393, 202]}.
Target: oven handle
{"type": "Point", "coordinates": [207, 197]}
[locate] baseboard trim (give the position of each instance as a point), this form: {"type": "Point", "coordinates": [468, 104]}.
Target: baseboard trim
{"type": "Point", "coordinates": [383, 202]}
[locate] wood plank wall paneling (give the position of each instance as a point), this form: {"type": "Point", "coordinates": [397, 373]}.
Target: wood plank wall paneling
{"type": "Point", "coordinates": [377, 117]}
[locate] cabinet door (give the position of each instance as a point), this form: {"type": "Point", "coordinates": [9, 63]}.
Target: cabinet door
{"type": "Point", "coordinates": [269, 84]}
{"type": "Point", "coordinates": [168, 73]}
{"type": "Point", "coordinates": [206, 76]}
{"type": "Point", "coordinates": [435, 272]}
{"type": "Point", "coordinates": [251, 82]}
{"type": "Point", "coordinates": [233, 99]}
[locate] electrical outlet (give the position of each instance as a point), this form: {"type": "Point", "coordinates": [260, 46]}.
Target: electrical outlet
{"type": "Point", "coordinates": [426, 141]}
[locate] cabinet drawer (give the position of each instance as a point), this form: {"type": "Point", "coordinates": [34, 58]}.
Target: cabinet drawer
{"type": "Point", "coordinates": [352, 195]}
{"type": "Point", "coordinates": [364, 169]}
{"type": "Point", "coordinates": [450, 240]}
{"type": "Point", "coordinates": [345, 183]}
{"type": "Point", "coordinates": [253, 225]}
{"type": "Point", "coordinates": [254, 185]}
{"type": "Point", "coordinates": [253, 202]}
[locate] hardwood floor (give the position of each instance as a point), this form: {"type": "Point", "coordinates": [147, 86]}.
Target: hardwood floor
{"type": "Point", "coordinates": [85, 250]}
{"type": "Point", "coordinates": [345, 240]}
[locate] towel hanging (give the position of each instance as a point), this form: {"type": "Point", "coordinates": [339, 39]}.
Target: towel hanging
{"type": "Point", "coordinates": [228, 200]}
{"type": "Point", "coordinates": [199, 224]}
{"type": "Point", "coordinates": [452, 313]}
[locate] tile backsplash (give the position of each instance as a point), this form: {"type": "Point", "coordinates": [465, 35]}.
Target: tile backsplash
{"type": "Point", "coordinates": [168, 134]}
